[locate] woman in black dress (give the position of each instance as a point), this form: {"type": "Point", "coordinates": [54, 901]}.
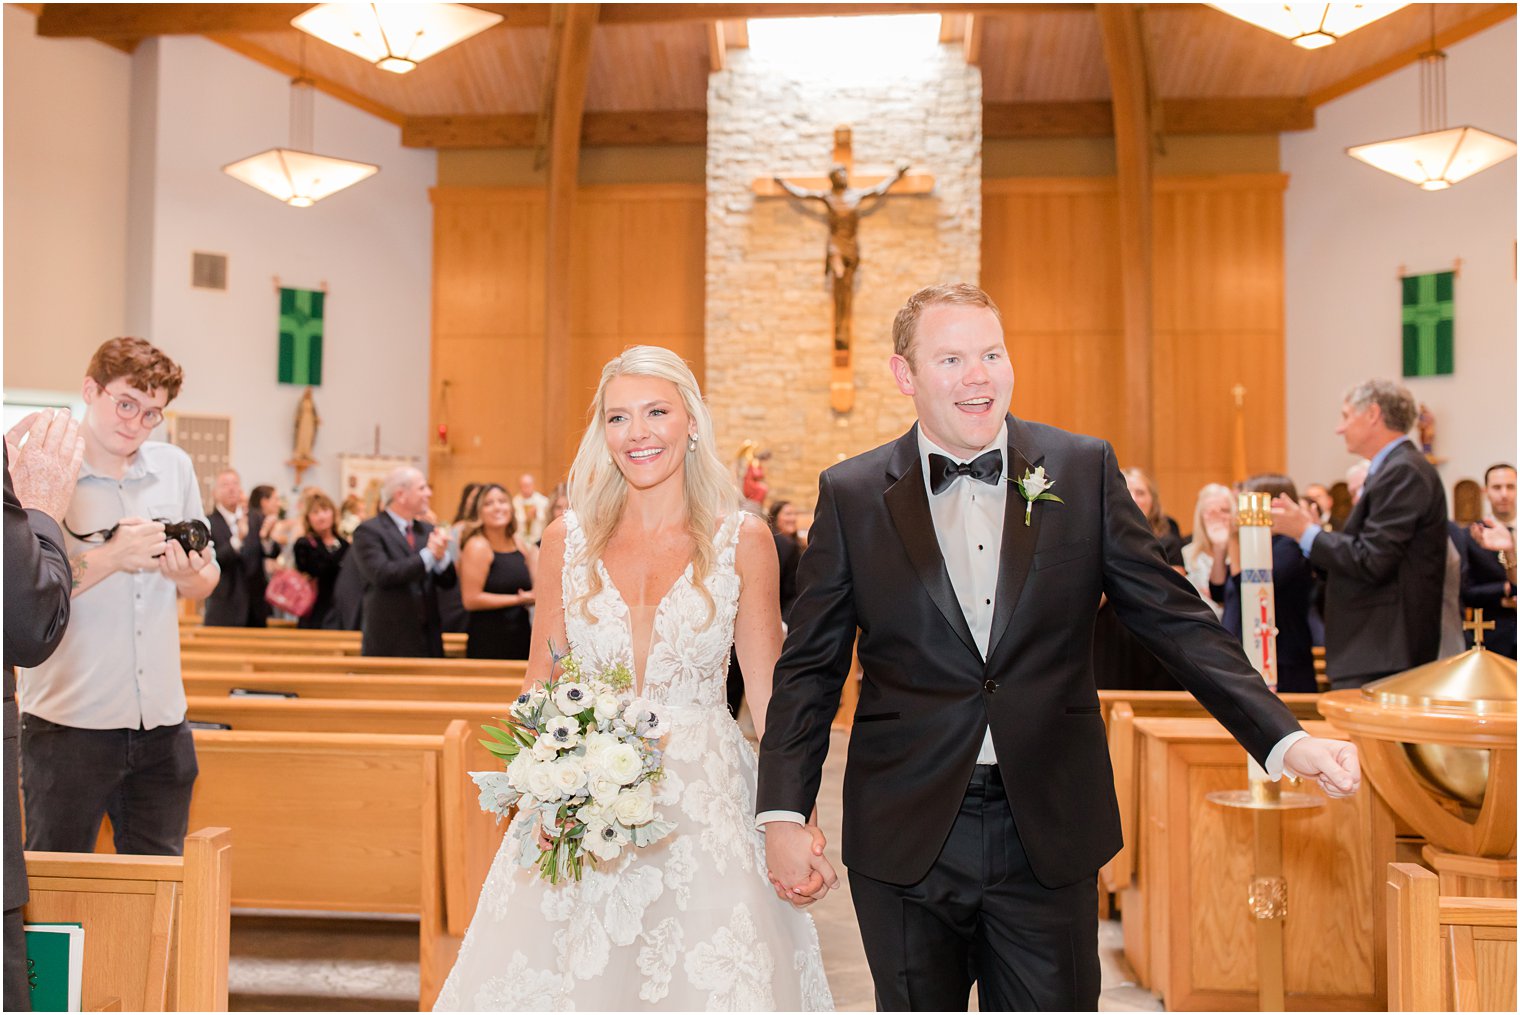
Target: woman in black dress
{"type": "Point", "coordinates": [319, 554]}
{"type": "Point", "coordinates": [263, 521]}
{"type": "Point", "coordinates": [496, 580]}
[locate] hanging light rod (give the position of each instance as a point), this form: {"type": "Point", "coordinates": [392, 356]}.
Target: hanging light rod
{"type": "Point", "coordinates": [394, 37]}
{"type": "Point", "coordinates": [1311, 26]}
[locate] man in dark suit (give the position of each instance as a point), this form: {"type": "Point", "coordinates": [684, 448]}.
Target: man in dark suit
{"type": "Point", "coordinates": [403, 560]}
{"type": "Point", "coordinates": [1386, 567]}
{"type": "Point", "coordinates": [38, 584]}
{"type": "Point", "coordinates": [241, 559]}
{"type": "Point", "coordinates": [1485, 578]}
{"type": "Point", "coordinates": [979, 800]}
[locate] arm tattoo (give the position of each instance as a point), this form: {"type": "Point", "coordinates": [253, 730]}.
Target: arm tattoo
{"type": "Point", "coordinates": [77, 563]}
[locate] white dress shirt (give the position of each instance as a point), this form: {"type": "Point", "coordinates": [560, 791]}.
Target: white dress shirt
{"type": "Point", "coordinates": [231, 518]}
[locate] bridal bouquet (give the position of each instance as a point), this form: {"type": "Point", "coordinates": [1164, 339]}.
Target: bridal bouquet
{"type": "Point", "coordinates": [583, 753]}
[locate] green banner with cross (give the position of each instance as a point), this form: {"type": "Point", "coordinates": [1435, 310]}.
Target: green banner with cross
{"type": "Point", "coordinates": [1428, 318]}
{"type": "Point", "coordinates": [301, 336]}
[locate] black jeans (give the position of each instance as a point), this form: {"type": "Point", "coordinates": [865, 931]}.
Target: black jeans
{"type": "Point", "coordinates": [980, 916]}
{"type": "Point", "coordinates": [71, 777]}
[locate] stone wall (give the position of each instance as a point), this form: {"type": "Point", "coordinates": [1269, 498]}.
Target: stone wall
{"type": "Point", "coordinates": [769, 309]}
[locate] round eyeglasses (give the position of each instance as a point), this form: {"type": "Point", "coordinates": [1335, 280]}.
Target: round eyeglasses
{"type": "Point", "coordinates": [128, 409]}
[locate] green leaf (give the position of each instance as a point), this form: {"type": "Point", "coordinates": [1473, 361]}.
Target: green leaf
{"type": "Point", "coordinates": [499, 734]}
{"type": "Point", "coordinates": [1050, 496]}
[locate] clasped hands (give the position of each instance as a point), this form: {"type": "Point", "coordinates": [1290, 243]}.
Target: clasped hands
{"type": "Point", "coordinates": [795, 864]}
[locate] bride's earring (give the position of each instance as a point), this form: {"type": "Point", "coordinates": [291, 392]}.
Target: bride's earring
{"type": "Point", "coordinates": [691, 443]}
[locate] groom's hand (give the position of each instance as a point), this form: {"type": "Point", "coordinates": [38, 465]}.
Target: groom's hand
{"type": "Point", "coordinates": [1334, 764]}
{"type": "Point", "coordinates": [795, 864]}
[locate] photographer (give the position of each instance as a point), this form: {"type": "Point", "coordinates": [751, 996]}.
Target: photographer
{"type": "Point", "coordinates": [103, 726]}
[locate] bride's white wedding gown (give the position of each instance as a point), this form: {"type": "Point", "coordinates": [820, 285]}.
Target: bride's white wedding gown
{"type": "Point", "coordinates": [690, 922]}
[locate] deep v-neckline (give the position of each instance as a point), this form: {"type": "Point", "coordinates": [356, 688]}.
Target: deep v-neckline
{"type": "Point", "coordinates": [641, 672]}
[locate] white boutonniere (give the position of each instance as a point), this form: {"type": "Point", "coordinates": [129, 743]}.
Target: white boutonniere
{"type": "Point", "coordinates": [1033, 486]}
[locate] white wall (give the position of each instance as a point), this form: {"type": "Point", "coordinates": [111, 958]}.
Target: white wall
{"type": "Point", "coordinates": [66, 114]}
{"type": "Point", "coordinates": [1350, 228]}
{"type": "Point", "coordinates": [194, 107]}
{"type": "Point", "coordinates": [371, 245]}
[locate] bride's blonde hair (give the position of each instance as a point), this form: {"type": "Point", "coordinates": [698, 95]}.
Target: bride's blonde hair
{"type": "Point", "coordinates": [598, 490]}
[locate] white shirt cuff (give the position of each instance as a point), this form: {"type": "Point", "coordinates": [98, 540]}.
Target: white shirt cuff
{"type": "Point", "coordinates": [791, 817]}
{"type": "Point", "coordinates": [1275, 759]}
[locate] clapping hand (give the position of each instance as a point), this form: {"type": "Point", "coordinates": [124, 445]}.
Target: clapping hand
{"type": "Point", "coordinates": [1289, 517]}
{"type": "Point", "coordinates": [44, 470]}
{"type": "Point", "coordinates": [1333, 764]}
{"type": "Point", "coordinates": [795, 864]}
{"type": "Point", "coordinates": [1491, 535]}
{"type": "Point", "coordinates": [438, 543]}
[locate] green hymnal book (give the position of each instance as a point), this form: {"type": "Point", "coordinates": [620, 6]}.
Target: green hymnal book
{"type": "Point", "coordinates": [55, 965]}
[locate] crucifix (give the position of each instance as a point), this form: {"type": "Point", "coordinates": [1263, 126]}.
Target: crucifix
{"type": "Point", "coordinates": [844, 207]}
{"type": "Point", "coordinates": [1477, 625]}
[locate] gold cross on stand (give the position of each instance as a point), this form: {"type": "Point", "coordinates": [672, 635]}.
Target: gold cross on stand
{"type": "Point", "coordinates": [1477, 626]}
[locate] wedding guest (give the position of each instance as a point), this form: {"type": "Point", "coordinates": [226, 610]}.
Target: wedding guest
{"type": "Point", "coordinates": [1119, 660]}
{"type": "Point", "coordinates": [1486, 575]}
{"type": "Point", "coordinates": [319, 554]}
{"type": "Point", "coordinates": [402, 559]}
{"type": "Point", "coordinates": [1213, 515]}
{"type": "Point", "coordinates": [1292, 590]}
{"type": "Point", "coordinates": [1320, 500]}
{"type": "Point", "coordinates": [1143, 491]}
{"type": "Point", "coordinates": [37, 581]}
{"type": "Point", "coordinates": [496, 567]}
{"type": "Point", "coordinates": [451, 611]}
{"type": "Point", "coordinates": [239, 557]}
{"type": "Point", "coordinates": [351, 516]}
{"type": "Point", "coordinates": [264, 515]}
{"type": "Point", "coordinates": [1386, 566]}
{"type": "Point", "coordinates": [789, 547]}
{"type": "Point", "coordinates": [103, 726]}
{"type": "Point", "coordinates": [530, 510]}
{"type": "Point", "coordinates": [559, 502]}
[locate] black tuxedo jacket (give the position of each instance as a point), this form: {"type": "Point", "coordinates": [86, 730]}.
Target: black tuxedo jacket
{"type": "Point", "coordinates": [400, 605]}
{"type": "Point", "coordinates": [38, 590]}
{"type": "Point", "coordinates": [873, 562]}
{"type": "Point", "coordinates": [231, 604]}
{"type": "Point", "coordinates": [1385, 571]}
{"type": "Point", "coordinates": [1483, 581]}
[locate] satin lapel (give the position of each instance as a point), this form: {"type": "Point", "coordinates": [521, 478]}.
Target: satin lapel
{"type": "Point", "coordinates": [908, 504]}
{"type": "Point", "coordinates": [1019, 540]}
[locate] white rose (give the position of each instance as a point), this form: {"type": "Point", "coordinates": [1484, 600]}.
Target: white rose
{"type": "Point", "coordinates": [1036, 483]}
{"type": "Point", "coordinates": [569, 776]}
{"type": "Point", "coordinates": [573, 699]}
{"type": "Point", "coordinates": [517, 771]}
{"type": "Point", "coordinates": [541, 781]}
{"type": "Point", "coordinates": [608, 706]}
{"type": "Point", "coordinates": [597, 743]}
{"type": "Point", "coordinates": [544, 749]}
{"type": "Point", "coordinates": [603, 788]}
{"type": "Point", "coordinates": [621, 764]}
{"type": "Point", "coordinates": [634, 806]}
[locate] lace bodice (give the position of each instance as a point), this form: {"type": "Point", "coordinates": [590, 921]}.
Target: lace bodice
{"type": "Point", "coordinates": [688, 654]}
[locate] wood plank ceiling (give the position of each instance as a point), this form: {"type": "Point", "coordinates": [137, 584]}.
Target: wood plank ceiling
{"type": "Point", "coordinates": [1043, 65]}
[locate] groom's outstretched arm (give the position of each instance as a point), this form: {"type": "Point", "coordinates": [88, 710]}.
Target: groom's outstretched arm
{"type": "Point", "coordinates": [814, 663]}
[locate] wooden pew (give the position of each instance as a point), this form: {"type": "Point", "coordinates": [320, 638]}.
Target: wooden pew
{"type": "Point", "coordinates": [197, 659]}
{"type": "Point", "coordinates": [351, 715]}
{"type": "Point", "coordinates": [1120, 709]}
{"type": "Point", "coordinates": [291, 641]}
{"type": "Point", "coordinates": [356, 823]}
{"type": "Point", "coordinates": [348, 685]}
{"type": "Point", "coordinates": [156, 927]}
{"type": "Point", "coordinates": [1447, 953]}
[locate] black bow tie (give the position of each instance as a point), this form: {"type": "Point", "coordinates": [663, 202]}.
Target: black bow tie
{"type": "Point", "coordinates": [944, 471]}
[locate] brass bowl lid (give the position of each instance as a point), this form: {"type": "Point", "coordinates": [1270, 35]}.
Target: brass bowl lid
{"type": "Point", "coordinates": [1477, 682]}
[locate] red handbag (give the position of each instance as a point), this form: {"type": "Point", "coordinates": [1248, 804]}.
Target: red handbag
{"type": "Point", "coordinates": [291, 591]}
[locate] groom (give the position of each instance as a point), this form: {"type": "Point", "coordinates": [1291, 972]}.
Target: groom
{"type": "Point", "coordinates": [978, 796]}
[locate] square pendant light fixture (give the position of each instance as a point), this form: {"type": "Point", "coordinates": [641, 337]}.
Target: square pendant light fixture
{"type": "Point", "coordinates": [1438, 156]}
{"type": "Point", "coordinates": [296, 175]}
{"type": "Point", "coordinates": [1311, 26]}
{"type": "Point", "coordinates": [394, 37]}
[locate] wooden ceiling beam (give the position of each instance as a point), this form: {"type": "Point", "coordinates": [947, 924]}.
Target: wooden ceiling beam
{"type": "Point", "coordinates": [138, 21]}
{"type": "Point", "coordinates": [1134, 147]}
{"type": "Point", "coordinates": [1266, 115]}
{"type": "Point", "coordinates": [598, 130]}
{"type": "Point", "coordinates": [574, 24]}
{"type": "Point", "coordinates": [1451, 35]}
{"type": "Point", "coordinates": [640, 14]}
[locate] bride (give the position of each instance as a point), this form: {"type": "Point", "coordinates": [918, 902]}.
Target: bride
{"type": "Point", "coordinates": [655, 567]}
